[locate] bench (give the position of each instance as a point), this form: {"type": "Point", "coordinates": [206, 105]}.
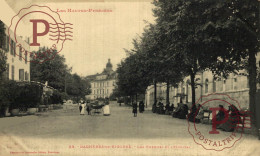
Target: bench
{"type": "Point", "coordinates": [206, 114]}
{"type": "Point", "coordinates": [245, 119]}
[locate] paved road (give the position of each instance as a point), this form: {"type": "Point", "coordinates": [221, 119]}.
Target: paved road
{"type": "Point", "coordinates": [64, 132]}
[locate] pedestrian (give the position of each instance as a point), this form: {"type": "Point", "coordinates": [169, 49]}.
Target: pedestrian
{"type": "Point", "coordinates": [234, 118]}
{"type": "Point", "coordinates": [161, 108]}
{"type": "Point", "coordinates": [83, 105]}
{"type": "Point", "coordinates": [135, 109]}
{"type": "Point", "coordinates": [106, 108]}
{"type": "Point", "coordinates": [200, 115]}
{"type": "Point", "coordinates": [141, 106]}
{"type": "Point", "coordinates": [154, 107]}
{"type": "Point", "coordinates": [88, 108]}
{"type": "Point", "coordinates": [80, 107]}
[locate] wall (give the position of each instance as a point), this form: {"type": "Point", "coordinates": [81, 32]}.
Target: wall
{"type": "Point", "coordinates": [236, 86]}
{"type": "Point", "coordinates": [15, 60]}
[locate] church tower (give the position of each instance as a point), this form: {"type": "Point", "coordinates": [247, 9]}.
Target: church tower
{"type": "Point", "coordinates": [109, 66]}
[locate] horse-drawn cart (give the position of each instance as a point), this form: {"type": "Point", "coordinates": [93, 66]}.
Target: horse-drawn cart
{"type": "Point", "coordinates": [96, 108]}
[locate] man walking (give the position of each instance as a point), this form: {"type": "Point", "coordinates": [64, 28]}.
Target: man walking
{"type": "Point", "coordinates": [135, 109]}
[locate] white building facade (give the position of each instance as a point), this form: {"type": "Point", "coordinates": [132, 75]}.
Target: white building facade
{"type": "Point", "coordinates": [103, 84]}
{"type": "Point", "coordinates": [235, 86]}
{"type": "Point", "coordinates": [18, 59]}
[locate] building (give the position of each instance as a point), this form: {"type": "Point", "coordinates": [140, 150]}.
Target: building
{"type": "Point", "coordinates": [236, 86]}
{"type": "Point", "coordinates": [103, 84]}
{"type": "Point", "coordinates": [18, 60]}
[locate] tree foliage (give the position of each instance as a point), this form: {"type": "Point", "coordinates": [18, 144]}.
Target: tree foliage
{"type": "Point", "coordinates": [77, 87]}
{"type": "Point", "coordinates": [53, 71]}
{"type": "Point", "coordinates": [3, 57]}
{"type": "Point", "coordinates": [191, 36]}
{"type": "Point", "coordinates": [58, 75]}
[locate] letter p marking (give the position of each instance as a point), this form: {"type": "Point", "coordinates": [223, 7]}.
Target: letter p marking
{"type": "Point", "coordinates": [35, 33]}
{"type": "Point", "coordinates": [214, 119]}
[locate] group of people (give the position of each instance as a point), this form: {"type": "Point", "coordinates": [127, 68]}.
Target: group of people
{"type": "Point", "coordinates": [197, 114]}
{"type": "Point", "coordinates": [141, 108]}
{"type": "Point", "coordinates": [230, 117]}
{"type": "Point", "coordinates": [181, 111]}
{"type": "Point", "coordinates": [161, 109]}
{"type": "Point", "coordinates": [234, 118]}
{"type": "Point", "coordinates": [83, 105]}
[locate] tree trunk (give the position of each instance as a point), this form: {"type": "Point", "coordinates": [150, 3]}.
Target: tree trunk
{"type": "Point", "coordinates": [252, 85]}
{"type": "Point", "coordinates": [136, 98]}
{"type": "Point", "coordinates": [155, 92]}
{"type": "Point", "coordinates": [168, 93]}
{"type": "Point", "coordinates": [192, 79]}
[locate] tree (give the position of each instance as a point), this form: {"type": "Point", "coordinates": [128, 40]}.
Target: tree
{"type": "Point", "coordinates": [236, 25]}
{"type": "Point", "coordinates": [180, 21]}
{"type": "Point", "coordinates": [53, 71]}
{"type": "Point", "coordinates": [131, 79]}
{"type": "Point", "coordinates": [216, 35]}
{"type": "Point", "coordinates": [77, 87]}
{"type": "Point", "coordinates": [3, 57]}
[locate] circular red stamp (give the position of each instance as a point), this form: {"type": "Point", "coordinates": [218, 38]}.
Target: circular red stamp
{"type": "Point", "coordinates": [46, 33]}
{"type": "Point", "coordinates": [215, 122]}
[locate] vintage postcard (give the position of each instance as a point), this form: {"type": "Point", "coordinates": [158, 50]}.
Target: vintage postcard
{"type": "Point", "coordinates": [129, 77]}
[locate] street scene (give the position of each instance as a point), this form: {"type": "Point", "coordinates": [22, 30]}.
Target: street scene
{"type": "Point", "coordinates": [151, 77]}
{"type": "Point", "coordinates": [74, 134]}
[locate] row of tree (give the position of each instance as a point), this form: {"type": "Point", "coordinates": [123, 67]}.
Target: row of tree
{"type": "Point", "coordinates": [58, 75]}
{"type": "Point", "coordinates": [54, 71]}
{"type": "Point", "coordinates": [189, 37]}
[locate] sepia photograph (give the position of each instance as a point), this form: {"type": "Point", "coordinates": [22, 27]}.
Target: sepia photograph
{"type": "Point", "coordinates": [129, 77]}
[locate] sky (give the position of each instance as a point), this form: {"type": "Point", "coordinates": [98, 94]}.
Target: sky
{"type": "Point", "coordinates": [97, 36]}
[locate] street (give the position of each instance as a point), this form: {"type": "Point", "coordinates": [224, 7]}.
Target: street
{"type": "Point", "coordinates": [65, 132]}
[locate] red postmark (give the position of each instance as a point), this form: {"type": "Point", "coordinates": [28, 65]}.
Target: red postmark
{"type": "Point", "coordinates": [45, 29]}
{"type": "Point", "coordinates": [224, 116]}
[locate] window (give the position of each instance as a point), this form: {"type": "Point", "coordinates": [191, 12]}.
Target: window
{"type": "Point", "coordinates": [12, 72]}
{"type": "Point", "coordinates": [224, 85]}
{"type": "Point", "coordinates": [21, 74]}
{"type": "Point", "coordinates": [107, 83]}
{"type": "Point", "coordinates": [94, 92]}
{"type": "Point", "coordinates": [2, 42]}
{"type": "Point", "coordinates": [206, 86]}
{"type": "Point", "coordinates": [214, 86]}
{"type": "Point", "coordinates": [25, 57]}
{"type": "Point", "coordinates": [7, 71]}
{"type": "Point", "coordinates": [235, 84]}
{"type": "Point", "coordinates": [220, 85]}
{"type": "Point", "coordinates": [107, 91]}
{"type": "Point", "coordinates": [12, 47]}
{"type": "Point", "coordinates": [26, 76]}
{"type": "Point", "coordinates": [7, 43]}
{"type": "Point", "coordinates": [20, 53]}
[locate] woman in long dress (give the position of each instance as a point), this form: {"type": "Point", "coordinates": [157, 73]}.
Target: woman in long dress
{"type": "Point", "coordinates": [234, 118]}
{"type": "Point", "coordinates": [106, 109]}
{"type": "Point", "coordinates": [200, 115]}
{"type": "Point", "coordinates": [83, 106]}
